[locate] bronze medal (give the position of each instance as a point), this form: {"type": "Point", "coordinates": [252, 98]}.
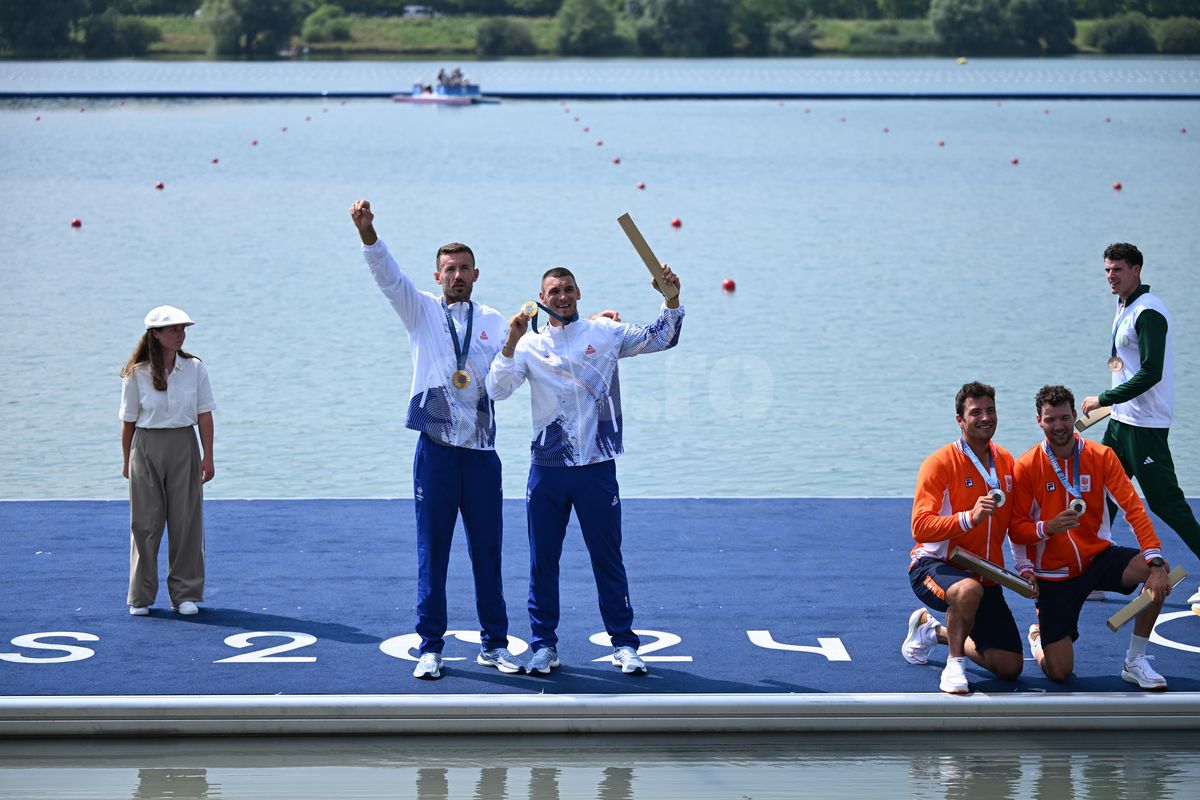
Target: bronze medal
{"type": "Point", "coordinates": [1116, 364]}
{"type": "Point", "coordinates": [460, 379]}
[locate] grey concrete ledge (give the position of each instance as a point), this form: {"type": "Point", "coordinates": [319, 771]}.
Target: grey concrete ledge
{"type": "Point", "coordinates": [193, 715]}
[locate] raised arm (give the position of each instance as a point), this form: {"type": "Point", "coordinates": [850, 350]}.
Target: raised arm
{"type": "Point", "coordinates": [408, 301]}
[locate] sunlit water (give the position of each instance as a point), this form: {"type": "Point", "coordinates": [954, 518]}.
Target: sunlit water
{"type": "Point", "coordinates": [876, 270]}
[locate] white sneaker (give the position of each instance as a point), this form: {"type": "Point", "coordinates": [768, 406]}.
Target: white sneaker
{"type": "Point", "coordinates": [187, 608]}
{"type": "Point", "coordinates": [1096, 595]}
{"type": "Point", "coordinates": [542, 661]}
{"type": "Point", "coordinates": [629, 661]}
{"type": "Point", "coordinates": [1035, 641]}
{"type": "Point", "coordinates": [429, 666]}
{"type": "Point", "coordinates": [139, 611]}
{"type": "Point", "coordinates": [1194, 601]}
{"type": "Point", "coordinates": [922, 635]}
{"type": "Point", "coordinates": [499, 658]}
{"type": "Point", "coordinates": [954, 679]}
{"type": "Point", "coordinates": [1139, 671]}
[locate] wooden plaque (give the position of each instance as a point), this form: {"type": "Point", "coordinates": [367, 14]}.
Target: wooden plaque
{"type": "Point", "coordinates": [1135, 606]}
{"type": "Point", "coordinates": [1088, 420]}
{"type": "Point", "coordinates": [993, 572]}
{"type": "Point", "coordinates": [652, 263]}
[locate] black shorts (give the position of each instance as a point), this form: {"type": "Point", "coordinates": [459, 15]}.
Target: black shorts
{"type": "Point", "coordinates": [1059, 602]}
{"type": "Point", "coordinates": [994, 623]}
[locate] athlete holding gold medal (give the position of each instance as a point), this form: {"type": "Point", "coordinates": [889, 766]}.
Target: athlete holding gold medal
{"type": "Point", "coordinates": [455, 469]}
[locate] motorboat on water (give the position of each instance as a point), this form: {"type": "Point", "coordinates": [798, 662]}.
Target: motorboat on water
{"type": "Point", "coordinates": [444, 94]}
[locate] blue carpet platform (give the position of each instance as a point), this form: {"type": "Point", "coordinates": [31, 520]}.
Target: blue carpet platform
{"type": "Point", "coordinates": [755, 614]}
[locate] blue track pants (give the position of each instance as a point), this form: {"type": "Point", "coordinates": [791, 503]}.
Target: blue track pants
{"type": "Point", "coordinates": [446, 481]}
{"type": "Point", "coordinates": [593, 492]}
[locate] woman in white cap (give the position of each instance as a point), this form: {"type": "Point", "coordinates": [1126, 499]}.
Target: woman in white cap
{"type": "Point", "coordinates": [164, 394]}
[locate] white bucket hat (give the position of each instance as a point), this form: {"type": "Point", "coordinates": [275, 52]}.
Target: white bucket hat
{"type": "Point", "coordinates": [163, 316]}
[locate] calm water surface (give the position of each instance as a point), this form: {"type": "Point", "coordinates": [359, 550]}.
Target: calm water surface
{"type": "Point", "coordinates": [981, 767]}
{"type": "Point", "coordinates": [876, 270]}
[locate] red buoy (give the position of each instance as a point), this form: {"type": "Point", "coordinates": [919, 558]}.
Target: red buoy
{"type": "Point", "coordinates": [308, 119]}
{"type": "Point", "coordinates": [76, 223]}
{"type": "Point", "coordinates": [641, 184]}
{"type": "Point", "coordinates": [159, 186]}
{"type": "Point", "coordinates": [253, 142]}
{"type": "Point", "coordinates": [616, 159]}
{"type": "Point", "coordinates": [215, 159]}
{"type": "Point", "coordinates": [599, 143]}
{"type": "Point", "coordinates": [941, 142]}
{"type": "Point", "coordinates": [728, 285]}
{"type": "Point", "coordinates": [1108, 119]}
{"type": "Point", "coordinates": [885, 130]}
{"type": "Point", "coordinates": [1014, 160]}
{"type": "Point", "coordinates": [676, 223]}
{"type": "Point", "coordinates": [285, 128]}
{"type": "Point", "coordinates": [1183, 130]}
{"type": "Point", "coordinates": [1117, 186]}
{"type": "Point", "coordinates": [576, 119]}
{"type": "Point", "coordinates": [38, 118]}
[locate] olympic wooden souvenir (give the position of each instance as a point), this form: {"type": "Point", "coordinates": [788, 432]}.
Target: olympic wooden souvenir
{"type": "Point", "coordinates": [652, 263]}
{"type": "Point", "coordinates": [1135, 606]}
{"type": "Point", "coordinates": [1088, 420]}
{"type": "Point", "coordinates": [993, 572]}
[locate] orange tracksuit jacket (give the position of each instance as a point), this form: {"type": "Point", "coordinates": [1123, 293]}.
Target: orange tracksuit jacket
{"type": "Point", "coordinates": [1040, 497]}
{"type": "Point", "coordinates": [947, 487]}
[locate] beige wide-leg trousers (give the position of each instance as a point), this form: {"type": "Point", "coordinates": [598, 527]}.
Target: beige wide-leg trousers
{"type": "Point", "coordinates": [165, 488]}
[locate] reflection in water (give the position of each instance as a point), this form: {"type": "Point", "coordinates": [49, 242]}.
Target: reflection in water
{"type": "Point", "coordinates": [160, 784]}
{"type": "Point", "coordinates": [983, 766]}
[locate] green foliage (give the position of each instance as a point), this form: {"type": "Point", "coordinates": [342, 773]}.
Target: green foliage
{"type": "Point", "coordinates": [888, 39]}
{"type": "Point", "coordinates": [110, 35]}
{"type": "Point", "coordinates": [586, 28]}
{"type": "Point", "coordinates": [1163, 9]}
{"type": "Point", "coordinates": [31, 28]}
{"type": "Point", "coordinates": [481, 7]}
{"type": "Point", "coordinates": [253, 27]}
{"type": "Point", "coordinates": [1179, 36]}
{"type": "Point", "coordinates": [971, 27]}
{"type": "Point", "coordinates": [682, 27]}
{"type": "Point", "coordinates": [1127, 34]}
{"type": "Point", "coordinates": [750, 22]}
{"type": "Point", "coordinates": [791, 37]}
{"type": "Point", "coordinates": [154, 8]}
{"type": "Point", "coordinates": [535, 8]}
{"type": "Point", "coordinates": [1095, 9]}
{"type": "Point", "coordinates": [327, 24]}
{"type": "Point", "coordinates": [500, 36]}
{"type": "Point", "coordinates": [903, 9]}
{"type": "Point", "coordinates": [1041, 26]}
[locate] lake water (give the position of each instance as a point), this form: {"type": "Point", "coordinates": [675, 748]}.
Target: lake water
{"type": "Point", "coordinates": [876, 270]}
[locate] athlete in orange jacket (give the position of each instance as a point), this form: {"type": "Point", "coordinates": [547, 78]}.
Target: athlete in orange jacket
{"type": "Point", "coordinates": [961, 501]}
{"type": "Point", "coordinates": [1062, 534]}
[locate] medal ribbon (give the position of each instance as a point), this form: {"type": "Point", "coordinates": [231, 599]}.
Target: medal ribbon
{"type": "Point", "coordinates": [563, 320]}
{"type": "Point", "coordinates": [1073, 491]}
{"type": "Point", "coordinates": [989, 477]}
{"type": "Point", "coordinates": [460, 351]}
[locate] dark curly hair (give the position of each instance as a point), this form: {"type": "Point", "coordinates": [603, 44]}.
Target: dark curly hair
{"type": "Point", "coordinates": [1124, 251]}
{"type": "Point", "coordinates": [1053, 396]}
{"type": "Point", "coordinates": [973, 390]}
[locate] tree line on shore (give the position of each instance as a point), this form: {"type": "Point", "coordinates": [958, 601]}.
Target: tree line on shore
{"type": "Point", "coordinates": [671, 28]}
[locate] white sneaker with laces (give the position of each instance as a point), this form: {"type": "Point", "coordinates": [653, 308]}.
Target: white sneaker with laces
{"type": "Point", "coordinates": [499, 658]}
{"type": "Point", "coordinates": [187, 608]}
{"type": "Point", "coordinates": [1035, 641]}
{"type": "Point", "coordinates": [429, 666]}
{"type": "Point", "coordinates": [139, 611]}
{"type": "Point", "coordinates": [1138, 670]}
{"type": "Point", "coordinates": [542, 661]}
{"type": "Point", "coordinates": [922, 635]}
{"type": "Point", "coordinates": [629, 661]}
{"type": "Point", "coordinates": [954, 678]}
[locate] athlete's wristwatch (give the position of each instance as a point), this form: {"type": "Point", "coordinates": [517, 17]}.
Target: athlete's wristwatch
{"type": "Point", "coordinates": [1156, 562]}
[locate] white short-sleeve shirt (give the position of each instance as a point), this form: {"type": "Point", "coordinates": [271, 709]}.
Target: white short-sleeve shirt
{"type": "Point", "coordinates": [188, 395]}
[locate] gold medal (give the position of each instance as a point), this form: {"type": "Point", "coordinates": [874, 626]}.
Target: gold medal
{"type": "Point", "coordinates": [460, 379]}
{"type": "Point", "coordinates": [1078, 506]}
{"type": "Point", "coordinates": [1116, 364]}
{"type": "Point", "coordinates": [998, 496]}
{"type": "Point", "coordinates": [529, 308]}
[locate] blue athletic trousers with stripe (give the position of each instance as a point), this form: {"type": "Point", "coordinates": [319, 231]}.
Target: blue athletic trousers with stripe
{"type": "Point", "coordinates": [592, 491]}
{"type": "Point", "coordinates": [447, 480]}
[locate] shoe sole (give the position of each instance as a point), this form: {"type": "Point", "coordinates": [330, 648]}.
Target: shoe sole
{"type": "Point", "coordinates": [914, 622]}
{"type": "Point", "coordinates": [633, 670]}
{"type": "Point", "coordinates": [507, 669]}
{"type": "Point", "coordinates": [553, 666]}
{"type": "Point", "coordinates": [1129, 677]}
{"type": "Point", "coordinates": [428, 676]}
{"type": "Point", "coordinates": [963, 690]}
{"type": "Point", "coordinates": [140, 612]}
